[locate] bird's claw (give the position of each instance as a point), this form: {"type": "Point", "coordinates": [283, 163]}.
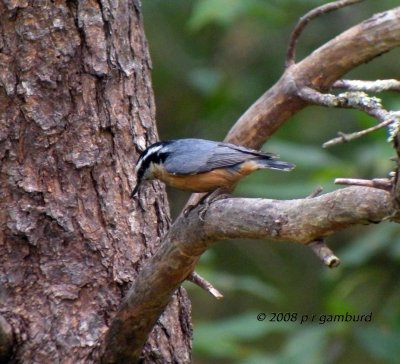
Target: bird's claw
{"type": "Point", "coordinates": [214, 196]}
{"type": "Point", "coordinates": [205, 202]}
{"type": "Point", "coordinates": [187, 209]}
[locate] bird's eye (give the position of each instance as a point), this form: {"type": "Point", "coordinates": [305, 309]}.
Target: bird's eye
{"type": "Point", "coordinates": [162, 156]}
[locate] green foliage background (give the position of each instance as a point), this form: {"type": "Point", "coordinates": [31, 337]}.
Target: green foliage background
{"type": "Point", "coordinates": [211, 60]}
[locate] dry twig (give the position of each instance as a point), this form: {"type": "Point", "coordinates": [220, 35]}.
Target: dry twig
{"type": "Point", "coordinates": [368, 86]}
{"type": "Point", "coordinates": [343, 138]}
{"type": "Point", "coordinates": [316, 192]}
{"type": "Point", "coordinates": [352, 100]}
{"type": "Point", "coordinates": [324, 253]}
{"type": "Point", "coordinates": [381, 183]}
{"type": "Point", "coordinates": [305, 19]}
{"type": "Point", "coordinates": [197, 279]}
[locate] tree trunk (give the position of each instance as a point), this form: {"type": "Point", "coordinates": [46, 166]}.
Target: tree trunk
{"type": "Point", "coordinates": [76, 107]}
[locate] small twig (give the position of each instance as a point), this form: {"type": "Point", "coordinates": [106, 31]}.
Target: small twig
{"type": "Point", "coordinates": [368, 86]}
{"type": "Point", "coordinates": [349, 100]}
{"type": "Point", "coordinates": [203, 283]}
{"type": "Point", "coordinates": [316, 192]}
{"type": "Point", "coordinates": [305, 19]}
{"type": "Point", "coordinates": [354, 100]}
{"type": "Point", "coordinates": [324, 253]}
{"type": "Point", "coordinates": [381, 183]}
{"type": "Point", "coordinates": [343, 138]}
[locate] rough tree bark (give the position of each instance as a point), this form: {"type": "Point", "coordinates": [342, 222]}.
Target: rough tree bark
{"type": "Point", "coordinates": [74, 89]}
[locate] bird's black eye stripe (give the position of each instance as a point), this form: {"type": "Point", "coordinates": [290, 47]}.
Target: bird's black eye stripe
{"type": "Point", "coordinates": [161, 156]}
{"type": "Point", "coordinates": [157, 158]}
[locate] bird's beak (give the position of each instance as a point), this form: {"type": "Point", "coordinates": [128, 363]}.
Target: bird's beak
{"type": "Point", "coordinates": [135, 190]}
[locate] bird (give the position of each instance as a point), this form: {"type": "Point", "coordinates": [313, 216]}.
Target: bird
{"type": "Point", "coordinates": [200, 165]}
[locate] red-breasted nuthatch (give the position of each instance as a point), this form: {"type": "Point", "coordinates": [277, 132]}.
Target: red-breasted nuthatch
{"type": "Point", "coordinates": [200, 165]}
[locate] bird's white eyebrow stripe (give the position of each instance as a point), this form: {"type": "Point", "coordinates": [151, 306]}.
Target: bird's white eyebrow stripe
{"type": "Point", "coordinates": [148, 152]}
{"type": "Point", "coordinates": [152, 150]}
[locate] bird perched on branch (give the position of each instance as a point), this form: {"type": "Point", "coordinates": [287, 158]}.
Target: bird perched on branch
{"type": "Point", "coordinates": [200, 165]}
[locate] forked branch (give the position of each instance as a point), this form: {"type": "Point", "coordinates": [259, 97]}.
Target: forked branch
{"type": "Point", "coordinates": [301, 221]}
{"type": "Point", "coordinates": [329, 63]}
{"type": "Point", "coordinates": [305, 19]}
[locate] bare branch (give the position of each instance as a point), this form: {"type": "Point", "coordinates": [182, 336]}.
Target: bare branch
{"type": "Point", "coordinates": [319, 71]}
{"type": "Point", "coordinates": [368, 86]}
{"type": "Point", "coordinates": [316, 192]}
{"type": "Point", "coordinates": [305, 19]}
{"type": "Point", "coordinates": [343, 138]}
{"type": "Point", "coordinates": [382, 183]}
{"type": "Point", "coordinates": [324, 253]}
{"type": "Point", "coordinates": [203, 283]}
{"type": "Point", "coordinates": [302, 221]}
{"type": "Point", "coordinates": [354, 100]}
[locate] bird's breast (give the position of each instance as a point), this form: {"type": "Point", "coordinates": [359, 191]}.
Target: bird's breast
{"type": "Point", "coordinates": [202, 182]}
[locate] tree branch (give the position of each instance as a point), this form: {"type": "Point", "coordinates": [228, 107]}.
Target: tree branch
{"type": "Point", "coordinates": [301, 221]}
{"type": "Point", "coordinates": [358, 45]}
{"type": "Point", "coordinates": [368, 86]}
{"type": "Point", "coordinates": [299, 86]}
{"type": "Point", "coordinates": [324, 253]}
{"type": "Point", "coordinates": [354, 100]}
{"type": "Point", "coordinates": [197, 279]}
{"type": "Point", "coordinates": [382, 183]}
{"type": "Point", "coordinates": [305, 19]}
{"type": "Point", "coordinates": [343, 138]}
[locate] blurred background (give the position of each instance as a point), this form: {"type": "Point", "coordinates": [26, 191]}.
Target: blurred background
{"type": "Point", "coordinates": [211, 60]}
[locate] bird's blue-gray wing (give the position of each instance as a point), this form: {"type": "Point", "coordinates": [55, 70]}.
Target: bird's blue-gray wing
{"type": "Point", "coordinates": [198, 156]}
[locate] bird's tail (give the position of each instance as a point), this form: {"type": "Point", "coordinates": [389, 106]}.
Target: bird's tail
{"type": "Point", "coordinates": [275, 164]}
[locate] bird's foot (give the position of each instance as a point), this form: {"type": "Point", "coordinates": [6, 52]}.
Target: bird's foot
{"type": "Point", "coordinates": [206, 199]}
{"type": "Point", "coordinates": [194, 201]}
{"type": "Point", "coordinates": [216, 195]}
